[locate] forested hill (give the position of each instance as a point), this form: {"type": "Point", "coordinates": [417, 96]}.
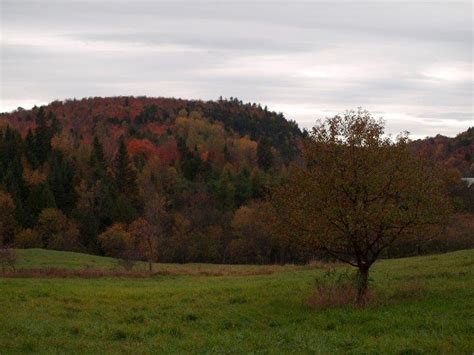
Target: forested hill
{"type": "Point", "coordinates": [156, 119]}
{"type": "Point", "coordinates": [455, 153]}
{"type": "Point", "coordinates": [75, 169]}
{"type": "Point", "coordinates": [96, 174]}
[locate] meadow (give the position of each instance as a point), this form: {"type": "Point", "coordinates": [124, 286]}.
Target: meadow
{"type": "Point", "coordinates": [421, 305]}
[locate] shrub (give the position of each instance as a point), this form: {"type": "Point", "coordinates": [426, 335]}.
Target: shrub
{"type": "Point", "coordinates": [334, 289]}
{"type": "Point", "coordinates": [67, 240]}
{"type": "Point", "coordinates": [57, 231]}
{"type": "Point", "coordinates": [28, 238]}
{"type": "Point", "coordinates": [115, 241]}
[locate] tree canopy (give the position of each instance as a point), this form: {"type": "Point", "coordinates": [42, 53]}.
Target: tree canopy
{"type": "Point", "coordinates": [359, 190]}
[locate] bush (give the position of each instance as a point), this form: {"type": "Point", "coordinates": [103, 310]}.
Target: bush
{"type": "Point", "coordinates": [116, 241]}
{"type": "Point", "coordinates": [67, 240]}
{"type": "Point", "coordinates": [28, 238]}
{"type": "Point", "coordinates": [57, 231]}
{"type": "Point", "coordinates": [333, 289]}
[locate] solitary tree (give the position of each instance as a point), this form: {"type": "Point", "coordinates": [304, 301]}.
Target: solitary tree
{"type": "Point", "coordinates": [359, 191]}
{"type": "Point", "coordinates": [145, 240]}
{"type": "Point", "coordinates": [116, 241]}
{"type": "Point", "coordinates": [57, 231]}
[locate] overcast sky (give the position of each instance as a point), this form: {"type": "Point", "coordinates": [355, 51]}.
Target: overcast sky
{"type": "Point", "coordinates": [406, 61]}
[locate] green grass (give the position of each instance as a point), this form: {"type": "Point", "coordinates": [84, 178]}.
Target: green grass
{"type": "Point", "coordinates": [236, 314]}
{"type": "Point", "coordinates": [41, 258]}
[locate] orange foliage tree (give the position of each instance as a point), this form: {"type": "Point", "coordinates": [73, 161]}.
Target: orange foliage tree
{"type": "Point", "coordinates": [359, 191]}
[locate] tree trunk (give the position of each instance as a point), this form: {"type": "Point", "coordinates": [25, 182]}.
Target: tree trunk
{"type": "Point", "coordinates": [362, 284]}
{"type": "Point", "coordinates": [150, 266]}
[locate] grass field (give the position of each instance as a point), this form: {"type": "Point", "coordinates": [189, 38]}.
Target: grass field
{"type": "Point", "coordinates": [423, 305]}
{"type": "Point", "coordinates": [43, 259]}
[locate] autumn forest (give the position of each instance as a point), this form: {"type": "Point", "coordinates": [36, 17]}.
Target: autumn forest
{"type": "Point", "coordinates": [174, 180]}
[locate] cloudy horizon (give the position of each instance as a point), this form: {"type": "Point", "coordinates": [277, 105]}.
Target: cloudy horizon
{"type": "Point", "coordinates": [409, 62]}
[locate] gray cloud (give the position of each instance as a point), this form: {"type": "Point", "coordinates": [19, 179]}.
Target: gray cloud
{"type": "Point", "coordinates": [410, 61]}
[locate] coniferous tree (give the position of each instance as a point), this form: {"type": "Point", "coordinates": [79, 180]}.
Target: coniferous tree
{"type": "Point", "coordinates": [258, 183]}
{"type": "Point", "coordinates": [97, 161]}
{"type": "Point", "coordinates": [125, 174]}
{"type": "Point", "coordinates": [12, 174]}
{"type": "Point", "coordinates": [123, 209]}
{"type": "Point", "coordinates": [97, 152]}
{"type": "Point", "coordinates": [264, 154]}
{"type": "Point", "coordinates": [30, 150]}
{"type": "Point", "coordinates": [243, 186]}
{"type": "Point", "coordinates": [42, 137]}
{"type": "Point", "coordinates": [61, 180]}
{"type": "Point", "coordinates": [55, 125]}
{"type": "Point", "coordinates": [225, 191]}
{"type": "Point", "coordinates": [14, 181]}
{"type": "Point", "coordinates": [40, 197]}
{"type": "Point", "coordinates": [192, 167]}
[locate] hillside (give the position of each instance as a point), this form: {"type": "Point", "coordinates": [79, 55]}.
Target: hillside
{"type": "Point", "coordinates": [71, 170]}
{"type": "Point", "coordinates": [422, 305]}
{"type": "Point", "coordinates": [155, 119]}
{"type": "Point", "coordinates": [146, 119]}
{"type": "Point", "coordinates": [77, 173]}
{"type": "Point", "coordinates": [455, 153]}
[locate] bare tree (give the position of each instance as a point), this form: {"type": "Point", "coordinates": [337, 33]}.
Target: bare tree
{"type": "Point", "coordinates": [145, 240]}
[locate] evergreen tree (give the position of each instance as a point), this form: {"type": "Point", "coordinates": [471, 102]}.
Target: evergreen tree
{"type": "Point", "coordinates": [226, 153]}
{"type": "Point", "coordinates": [55, 126]}
{"type": "Point", "coordinates": [183, 148]}
{"type": "Point", "coordinates": [11, 174]}
{"type": "Point", "coordinates": [123, 210]}
{"type": "Point", "coordinates": [42, 137]}
{"type": "Point", "coordinates": [243, 186]}
{"type": "Point", "coordinates": [258, 183]}
{"type": "Point", "coordinates": [97, 161]}
{"type": "Point", "coordinates": [14, 181]}
{"type": "Point", "coordinates": [192, 166]}
{"type": "Point", "coordinates": [225, 191]}
{"type": "Point", "coordinates": [40, 197]}
{"type": "Point", "coordinates": [61, 180]}
{"type": "Point", "coordinates": [97, 152]}
{"type": "Point", "coordinates": [264, 154]}
{"type": "Point", "coordinates": [30, 150]}
{"type": "Point", "coordinates": [125, 174]}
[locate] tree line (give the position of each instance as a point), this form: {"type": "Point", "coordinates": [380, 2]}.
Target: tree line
{"type": "Point", "coordinates": [193, 184]}
{"type": "Point", "coordinates": [210, 185]}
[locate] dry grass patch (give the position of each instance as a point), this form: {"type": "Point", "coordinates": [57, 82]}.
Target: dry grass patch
{"type": "Point", "coordinates": [163, 269]}
{"type": "Point", "coordinates": [329, 296]}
